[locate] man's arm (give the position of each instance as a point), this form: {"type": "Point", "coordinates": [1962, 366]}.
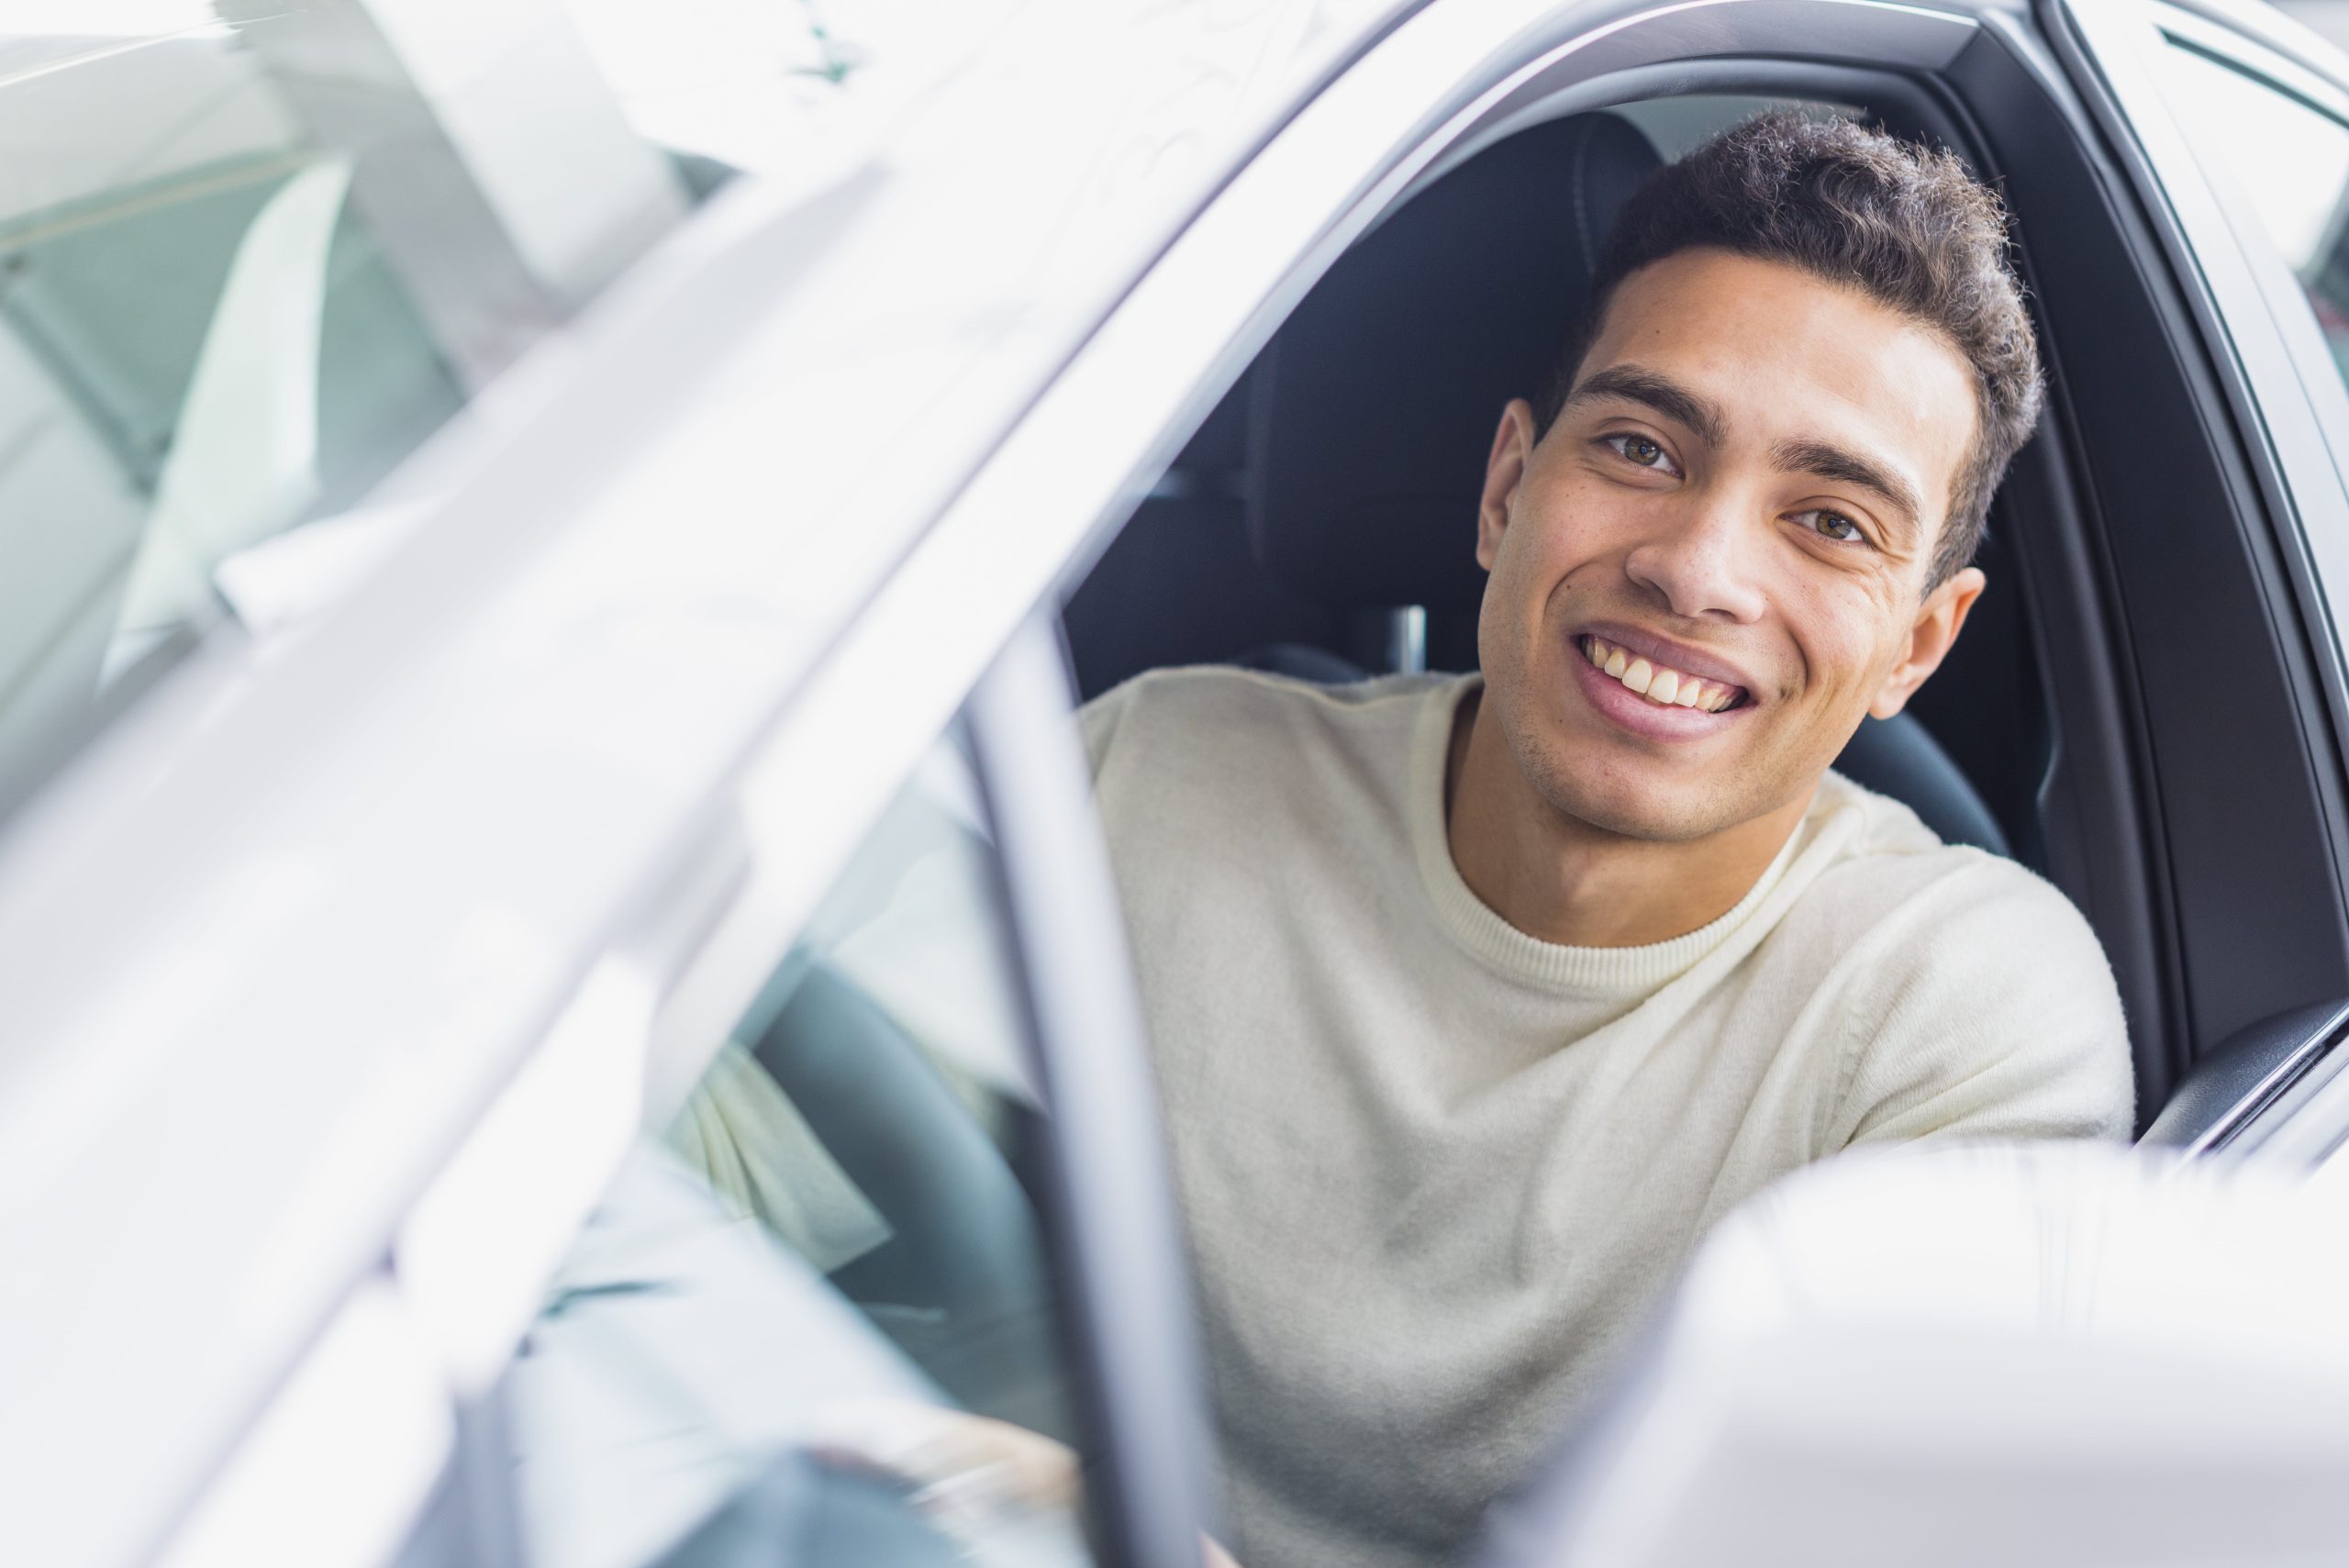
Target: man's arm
{"type": "Point", "coordinates": [1988, 1011]}
{"type": "Point", "coordinates": [963, 1470]}
{"type": "Point", "coordinates": [1100, 719]}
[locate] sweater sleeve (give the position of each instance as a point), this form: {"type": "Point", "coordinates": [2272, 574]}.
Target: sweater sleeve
{"type": "Point", "coordinates": [1101, 718]}
{"type": "Point", "coordinates": [1986, 1010]}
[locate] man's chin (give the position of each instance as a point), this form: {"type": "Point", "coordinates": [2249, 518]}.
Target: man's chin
{"type": "Point", "coordinates": [1645, 812]}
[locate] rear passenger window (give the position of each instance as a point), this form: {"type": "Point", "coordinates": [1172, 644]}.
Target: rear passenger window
{"type": "Point", "coordinates": [2289, 161]}
{"type": "Point", "coordinates": [812, 1321]}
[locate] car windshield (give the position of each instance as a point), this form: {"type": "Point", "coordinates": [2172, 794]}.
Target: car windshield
{"type": "Point", "coordinates": [251, 257]}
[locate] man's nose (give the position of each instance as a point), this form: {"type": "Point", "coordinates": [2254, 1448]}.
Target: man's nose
{"type": "Point", "coordinates": [1700, 562]}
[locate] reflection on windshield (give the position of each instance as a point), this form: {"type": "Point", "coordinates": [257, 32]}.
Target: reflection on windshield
{"type": "Point", "coordinates": [249, 259]}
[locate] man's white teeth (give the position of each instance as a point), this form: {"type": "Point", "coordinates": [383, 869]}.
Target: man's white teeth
{"type": "Point", "coordinates": [1669, 688]}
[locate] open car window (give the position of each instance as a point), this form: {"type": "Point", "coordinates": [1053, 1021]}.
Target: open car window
{"type": "Point", "coordinates": [251, 257]}
{"type": "Point", "coordinates": [813, 1320]}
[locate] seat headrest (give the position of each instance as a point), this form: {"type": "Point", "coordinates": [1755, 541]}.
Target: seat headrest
{"type": "Point", "coordinates": [1374, 409]}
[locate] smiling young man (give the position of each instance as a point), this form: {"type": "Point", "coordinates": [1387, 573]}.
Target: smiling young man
{"type": "Point", "coordinates": [1476, 1000]}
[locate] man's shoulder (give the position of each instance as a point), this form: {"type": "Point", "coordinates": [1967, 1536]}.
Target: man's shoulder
{"type": "Point", "coordinates": [1234, 712]}
{"type": "Point", "coordinates": [1207, 773]}
{"type": "Point", "coordinates": [1972, 994]}
{"type": "Point", "coordinates": [1893, 885]}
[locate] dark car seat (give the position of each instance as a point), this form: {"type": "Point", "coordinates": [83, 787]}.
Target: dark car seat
{"type": "Point", "coordinates": [1372, 410]}
{"type": "Point", "coordinates": [1371, 413]}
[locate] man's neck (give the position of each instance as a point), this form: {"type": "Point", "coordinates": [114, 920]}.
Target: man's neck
{"type": "Point", "coordinates": [1564, 880]}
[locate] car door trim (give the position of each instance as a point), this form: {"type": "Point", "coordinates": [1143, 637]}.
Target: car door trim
{"type": "Point", "coordinates": [1120, 1258]}
{"type": "Point", "coordinates": [2234, 316]}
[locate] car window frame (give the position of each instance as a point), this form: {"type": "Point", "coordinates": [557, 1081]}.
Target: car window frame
{"type": "Point", "coordinates": [2316, 377]}
{"type": "Point", "coordinates": [2283, 391]}
{"type": "Point", "coordinates": [2246, 300]}
{"type": "Point", "coordinates": [1115, 1234]}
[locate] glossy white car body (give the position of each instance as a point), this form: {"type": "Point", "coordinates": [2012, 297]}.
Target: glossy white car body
{"type": "Point", "coordinates": [337, 976]}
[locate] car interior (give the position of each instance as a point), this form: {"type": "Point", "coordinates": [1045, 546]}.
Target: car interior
{"type": "Point", "coordinates": [1343, 514]}
{"type": "Point", "coordinates": [1320, 523]}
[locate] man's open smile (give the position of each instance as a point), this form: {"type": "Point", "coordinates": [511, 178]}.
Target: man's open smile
{"type": "Point", "coordinates": [1660, 683]}
{"type": "Point", "coordinates": [1646, 686]}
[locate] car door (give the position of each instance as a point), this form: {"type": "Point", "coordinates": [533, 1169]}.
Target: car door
{"type": "Point", "coordinates": [2236, 122]}
{"type": "Point", "coordinates": [854, 1247]}
{"type": "Point", "coordinates": [251, 1013]}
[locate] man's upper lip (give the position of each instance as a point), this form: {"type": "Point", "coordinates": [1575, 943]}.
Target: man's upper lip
{"type": "Point", "coordinates": [1674, 655]}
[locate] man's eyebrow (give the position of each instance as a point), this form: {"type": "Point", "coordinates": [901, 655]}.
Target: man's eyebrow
{"type": "Point", "coordinates": [1660, 393]}
{"type": "Point", "coordinates": [1833, 462]}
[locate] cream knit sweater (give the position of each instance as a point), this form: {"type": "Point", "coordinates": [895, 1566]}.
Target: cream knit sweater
{"type": "Point", "coordinates": [1436, 1173]}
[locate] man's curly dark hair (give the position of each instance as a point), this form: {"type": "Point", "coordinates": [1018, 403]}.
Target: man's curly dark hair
{"type": "Point", "coordinates": [1906, 224]}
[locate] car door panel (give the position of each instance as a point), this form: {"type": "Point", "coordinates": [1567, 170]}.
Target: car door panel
{"type": "Point", "coordinates": [2239, 1092]}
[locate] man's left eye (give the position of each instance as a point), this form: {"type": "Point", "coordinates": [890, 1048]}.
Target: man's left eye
{"type": "Point", "coordinates": [1833, 525]}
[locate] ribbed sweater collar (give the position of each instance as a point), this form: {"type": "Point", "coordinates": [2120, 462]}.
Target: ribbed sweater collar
{"type": "Point", "coordinates": [1596, 972]}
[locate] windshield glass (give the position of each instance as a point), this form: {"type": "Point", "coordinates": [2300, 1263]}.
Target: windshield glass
{"type": "Point", "coordinates": [251, 257]}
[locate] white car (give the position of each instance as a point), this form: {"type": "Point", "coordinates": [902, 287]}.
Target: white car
{"type": "Point", "coordinates": [559, 987]}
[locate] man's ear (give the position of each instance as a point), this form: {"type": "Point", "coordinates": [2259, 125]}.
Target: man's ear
{"type": "Point", "coordinates": [1504, 469]}
{"type": "Point", "coordinates": [1939, 620]}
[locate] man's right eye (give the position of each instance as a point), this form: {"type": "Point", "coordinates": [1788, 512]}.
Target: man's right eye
{"type": "Point", "coordinates": [1639, 448]}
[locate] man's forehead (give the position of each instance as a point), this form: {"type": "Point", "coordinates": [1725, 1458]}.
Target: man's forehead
{"type": "Point", "coordinates": [1775, 356]}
